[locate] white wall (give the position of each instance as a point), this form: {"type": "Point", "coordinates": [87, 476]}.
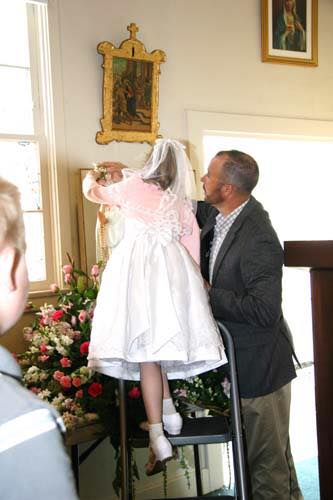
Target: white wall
{"type": "Point", "coordinates": [213, 63]}
{"type": "Point", "coordinates": [213, 50]}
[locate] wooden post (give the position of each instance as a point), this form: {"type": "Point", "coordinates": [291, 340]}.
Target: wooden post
{"type": "Point", "coordinates": [318, 256]}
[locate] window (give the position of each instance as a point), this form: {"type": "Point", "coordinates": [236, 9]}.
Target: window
{"type": "Point", "coordinates": [25, 131]}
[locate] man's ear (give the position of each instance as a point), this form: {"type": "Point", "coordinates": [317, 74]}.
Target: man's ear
{"type": "Point", "coordinates": [8, 264]}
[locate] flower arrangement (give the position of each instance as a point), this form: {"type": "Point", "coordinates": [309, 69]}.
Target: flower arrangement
{"type": "Point", "coordinates": [55, 363]}
{"type": "Point", "coordinates": [209, 391]}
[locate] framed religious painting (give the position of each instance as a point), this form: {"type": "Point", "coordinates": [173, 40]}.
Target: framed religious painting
{"type": "Point", "coordinates": [290, 31]}
{"type": "Point", "coordinates": [130, 91]}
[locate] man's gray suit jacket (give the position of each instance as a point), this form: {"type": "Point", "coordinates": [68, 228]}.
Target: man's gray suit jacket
{"type": "Point", "coordinates": [246, 295]}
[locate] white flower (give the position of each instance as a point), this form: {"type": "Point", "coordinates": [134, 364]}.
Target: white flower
{"type": "Point", "coordinates": [57, 401]}
{"type": "Point", "coordinates": [32, 374]}
{"type": "Point", "coordinates": [66, 341]}
{"type": "Point", "coordinates": [85, 373]}
{"type": "Point", "coordinates": [43, 375]}
{"type": "Point", "coordinates": [45, 394]}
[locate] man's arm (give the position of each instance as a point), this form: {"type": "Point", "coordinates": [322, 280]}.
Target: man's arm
{"type": "Point", "coordinates": [259, 304]}
{"type": "Point", "coordinates": [203, 212]}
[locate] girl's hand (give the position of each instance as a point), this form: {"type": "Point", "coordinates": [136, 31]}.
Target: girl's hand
{"type": "Point", "coordinates": [114, 170]}
{"type": "Point", "coordinates": [109, 172]}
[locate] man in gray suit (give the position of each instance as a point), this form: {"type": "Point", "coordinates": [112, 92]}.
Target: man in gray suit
{"type": "Point", "coordinates": [241, 261]}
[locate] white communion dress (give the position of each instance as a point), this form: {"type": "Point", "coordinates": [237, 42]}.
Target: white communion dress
{"type": "Point", "coordinates": [152, 304]}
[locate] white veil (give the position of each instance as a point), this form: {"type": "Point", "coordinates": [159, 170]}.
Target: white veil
{"type": "Point", "coordinates": [181, 174]}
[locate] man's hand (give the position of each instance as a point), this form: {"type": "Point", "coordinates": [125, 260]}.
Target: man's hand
{"type": "Point", "coordinates": [207, 285]}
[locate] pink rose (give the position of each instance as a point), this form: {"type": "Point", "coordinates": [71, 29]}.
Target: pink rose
{"type": "Point", "coordinates": [94, 271]}
{"type": "Point", "coordinates": [67, 269]}
{"type": "Point", "coordinates": [66, 382]}
{"type": "Point", "coordinates": [95, 389]}
{"type": "Point", "coordinates": [83, 316]}
{"type": "Point", "coordinates": [76, 381]}
{"type": "Point", "coordinates": [43, 348]}
{"type": "Point", "coordinates": [65, 362]}
{"type": "Point", "coordinates": [43, 358]}
{"type": "Point", "coordinates": [67, 278]}
{"type": "Point", "coordinates": [54, 287]}
{"type": "Point", "coordinates": [35, 390]}
{"type": "Point", "coordinates": [79, 394]}
{"type": "Point", "coordinates": [58, 375]}
{"type": "Point", "coordinates": [57, 315]}
{"type": "Point", "coordinates": [134, 393]}
{"type": "Point", "coordinates": [84, 348]}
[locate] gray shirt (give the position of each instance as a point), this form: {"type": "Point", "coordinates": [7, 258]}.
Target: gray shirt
{"type": "Point", "coordinates": [34, 464]}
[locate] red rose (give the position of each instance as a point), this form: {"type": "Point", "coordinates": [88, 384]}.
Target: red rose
{"type": "Point", "coordinates": [134, 393]}
{"type": "Point", "coordinates": [66, 382]}
{"type": "Point", "coordinates": [84, 347]}
{"type": "Point", "coordinates": [57, 315]}
{"type": "Point", "coordinates": [65, 362]}
{"type": "Point", "coordinates": [76, 381]}
{"type": "Point", "coordinates": [57, 375]}
{"type": "Point", "coordinates": [43, 358]}
{"type": "Point", "coordinates": [79, 394]}
{"type": "Point", "coordinates": [95, 389]}
{"type": "Point", "coordinates": [43, 348]}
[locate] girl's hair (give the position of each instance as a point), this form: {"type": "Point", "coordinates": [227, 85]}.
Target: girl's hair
{"type": "Point", "coordinates": [11, 220]}
{"type": "Point", "coordinates": [164, 176]}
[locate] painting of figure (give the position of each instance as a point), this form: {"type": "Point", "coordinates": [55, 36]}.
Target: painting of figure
{"type": "Point", "coordinates": [131, 96]}
{"type": "Point", "coordinates": [289, 31]}
{"type": "Point", "coordinates": [289, 25]}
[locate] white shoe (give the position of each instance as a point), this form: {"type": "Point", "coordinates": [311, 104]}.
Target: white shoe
{"type": "Point", "coordinates": [173, 423]}
{"type": "Point", "coordinates": [162, 448]}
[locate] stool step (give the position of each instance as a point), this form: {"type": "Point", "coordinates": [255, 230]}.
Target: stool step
{"type": "Point", "coordinates": [205, 497]}
{"type": "Point", "coordinates": [202, 430]}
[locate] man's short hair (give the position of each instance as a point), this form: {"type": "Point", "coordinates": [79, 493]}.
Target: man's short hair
{"type": "Point", "coordinates": [240, 169]}
{"type": "Point", "coordinates": [11, 219]}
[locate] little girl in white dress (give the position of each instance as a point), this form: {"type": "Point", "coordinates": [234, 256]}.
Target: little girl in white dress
{"type": "Point", "coordinates": [152, 319]}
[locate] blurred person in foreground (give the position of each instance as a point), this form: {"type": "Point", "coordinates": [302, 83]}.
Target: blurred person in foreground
{"type": "Point", "coordinates": [33, 461]}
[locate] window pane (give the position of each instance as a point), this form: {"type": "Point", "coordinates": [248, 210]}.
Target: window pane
{"type": "Point", "coordinates": [16, 103]}
{"type": "Point", "coordinates": [19, 163]}
{"type": "Point", "coordinates": [34, 233]}
{"type": "Point", "coordinates": [14, 33]}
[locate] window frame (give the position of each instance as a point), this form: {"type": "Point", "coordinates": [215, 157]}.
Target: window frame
{"type": "Point", "coordinates": [44, 137]}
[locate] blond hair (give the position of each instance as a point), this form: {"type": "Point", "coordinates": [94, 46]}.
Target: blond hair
{"type": "Point", "coordinates": [11, 219]}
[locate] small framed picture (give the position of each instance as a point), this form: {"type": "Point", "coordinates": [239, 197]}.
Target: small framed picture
{"type": "Point", "coordinates": [130, 91]}
{"type": "Point", "coordinates": [290, 31]}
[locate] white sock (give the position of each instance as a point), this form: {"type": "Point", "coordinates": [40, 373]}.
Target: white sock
{"type": "Point", "coordinates": [168, 407]}
{"type": "Point", "coordinates": [155, 430]}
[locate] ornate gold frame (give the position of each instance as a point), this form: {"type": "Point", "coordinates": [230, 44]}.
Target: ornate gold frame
{"type": "Point", "coordinates": [130, 49]}
{"type": "Point", "coordinates": [269, 54]}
